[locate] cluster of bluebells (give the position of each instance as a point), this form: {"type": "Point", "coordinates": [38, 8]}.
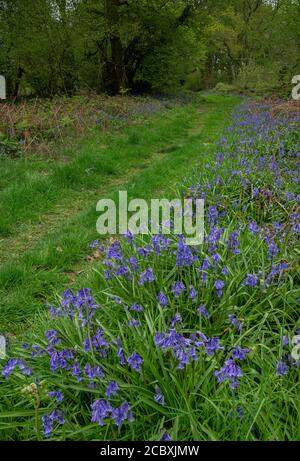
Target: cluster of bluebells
{"type": "Point", "coordinates": [186, 349]}
{"type": "Point", "coordinates": [133, 273]}
{"type": "Point", "coordinates": [80, 305]}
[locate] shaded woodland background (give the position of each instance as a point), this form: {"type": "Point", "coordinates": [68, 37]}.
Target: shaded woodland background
{"type": "Point", "coordinates": [53, 47]}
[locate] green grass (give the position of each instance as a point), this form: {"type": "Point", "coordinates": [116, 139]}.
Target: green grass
{"type": "Point", "coordinates": [47, 206]}
{"type": "Point", "coordinates": [242, 186]}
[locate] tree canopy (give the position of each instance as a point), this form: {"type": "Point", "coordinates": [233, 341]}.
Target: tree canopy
{"type": "Point", "coordinates": [50, 47]}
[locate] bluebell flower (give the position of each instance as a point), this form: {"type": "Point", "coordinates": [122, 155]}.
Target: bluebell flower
{"type": "Point", "coordinates": [184, 254]}
{"type": "Point", "coordinates": [273, 250]}
{"type": "Point", "coordinates": [235, 322]}
{"type": "Point", "coordinates": [134, 323]}
{"type": "Point", "coordinates": [225, 271]}
{"type": "Point", "coordinates": [233, 242]}
{"type": "Point", "coordinates": [9, 367]}
{"type": "Point", "coordinates": [240, 353]}
{"type": "Point", "coordinates": [56, 395]}
{"type": "Point", "coordinates": [120, 351]}
{"type": "Point", "coordinates": [159, 398]}
{"type": "Point", "coordinates": [135, 361]}
{"type": "Point", "coordinates": [162, 299]}
{"type": "Point", "coordinates": [93, 373]}
{"type": "Point", "coordinates": [137, 307]}
{"type": "Point", "coordinates": [166, 437]}
{"type": "Point", "coordinates": [285, 340]}
{"type": "Point", "coordinates": [202, 311]}
{"type": "Point", "coordinates": [76, 371]}
{"type": "Point", "coordinates": [121, 414]}
{"type": "Point", "coordinates": [112, 389]}
{"type": "Point", "coordinates": [213, 345]}
{"type": "Point", "coordinates": [176, 319]}
{"type": "Point", "coordinates": [230, 371]}
{"type": "Point", "coordinates": [219, 285]}
{"type": "Point", "coordinates": [193, 293]}
{"type": "Point", "coordinates": [177, 288]}
{"type": "Point", "coordinates": [251, 280]}
{"type": "Point", "coordinates": [281, 368]}
{"type": "Point", "coordinates": [144, 252]}
{"type": "Point", "coordinates": [212, 215]}
{"type": "Point", "coordinates": [100, 411]}
{"type": "Point", "coordinates": [52, 337]}
{"type": "Point", "coordinates": [253, 227]}
{"type": "Point", "coordinates": [49, 419]}
{"type": "Point", "coordinates": [147, 276]}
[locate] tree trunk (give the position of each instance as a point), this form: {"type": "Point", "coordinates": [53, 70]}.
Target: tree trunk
{"type": "Point", "coordinates": [113, 73]}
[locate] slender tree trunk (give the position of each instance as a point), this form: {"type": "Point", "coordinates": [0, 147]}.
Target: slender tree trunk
{"type": "Point", "coordinates": [113, 74]}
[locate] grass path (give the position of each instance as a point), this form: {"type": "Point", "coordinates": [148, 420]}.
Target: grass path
{"type": "Point", "coordinates": [47, 207]}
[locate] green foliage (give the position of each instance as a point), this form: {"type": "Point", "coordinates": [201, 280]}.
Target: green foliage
{"type": "Point", "coordinates": [264, 406]}
{"type": "Point", "coordinates": [51, 47]}
{"type": "Point", "coordinates": [9, 147]}
{"type": "Point", "coordinates": [258, 79]}
{"type": "Point", "coordinates": [225, 88]}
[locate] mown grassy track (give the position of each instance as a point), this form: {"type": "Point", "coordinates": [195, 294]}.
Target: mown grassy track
{"type": "Point", "coordinates": [47, 209]}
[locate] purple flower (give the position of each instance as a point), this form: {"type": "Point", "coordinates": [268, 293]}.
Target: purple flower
{"type": "Point", "coordinates": [76, 371]}
{"type": "Point", "coordinates": [184, 255]}
{"type": "Point", "coordinates": [10, 366]}
{"type": "Point", "coordinates": [219, 285]}
{"type": "Point", "coordinates": [166, 437]}
{"type": "Point", "coordinates": [253, 227]}
{"type": "Point", "coordinates": [112, 389]}
{"type": "Point", "coordinates": [93, 372]}
{"type": "Point", "coordinates": [240, 353]}
{"type": "Point", "coordinates": [48, 419]}
{"type": "Point", "coordinates": [56, 395]}
{"type": "Point", "coordinates": [281, 368]}
{"type": "Point", "coordinates": [233, 242]}
{"type": "Point", "coordinates": [229, 371]}
{"type": "Point", "coordinates": [162, 299]}
{"type": "Point", "coordinates": [137, 307]}
{"type": "Point", "coordinates": [47, 425]}
{"type": "Point", "coordinates": [52, 337]}
{"type": "Point", "coordinates": [177, 288]}
{"type": "Point", "coordinates": [240, 412]}
{"type": "Point", "coordinates": [135, 361]}
{"type": "Point", "coordinates": [202, 311]}
{"type": "Point", "coordinates": [99, 343]}
{"type": "Point", "coordinates": [212, 215]}
{"type": "Point", "coordinates": [213, 345]}
{"type": "Point", "coordinates": [273, 250]}
{"type": "Point", "coordinates": [133, 263]}
{"type": "Point", "coordinates": [120, 351]}
{"type": "Point", "coordinates": [129, 236]}
{"type": "Point", "coordinates": [182, 348]}
{"type": "Point", "coordinates": [147, 276]}
{"type": "Point", "coordinates": [251, 280]}
{"type": "Point", "coordinates": [285, 340]}
{"type": "Point", "coordinates": [225, 271]}
{"type": "Point", "coordinates": [176, 319]}
{"type": "Point", "coordinates": [100, 410]}
{"type": "Point", "coordinates": [235, 322]}
{"type": "Point", "coordinates": [134, 323]}
{"type": "Point", "coordinates": [144, 252]}
{"type": "Point", "coordinates": [193, 293]}
{"type": "Point", "coordinates": [122, 414]}
{"type": "Point", "coordinates": [205, 264]}
{"type": "Point", "coordinates": [159, 398]}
